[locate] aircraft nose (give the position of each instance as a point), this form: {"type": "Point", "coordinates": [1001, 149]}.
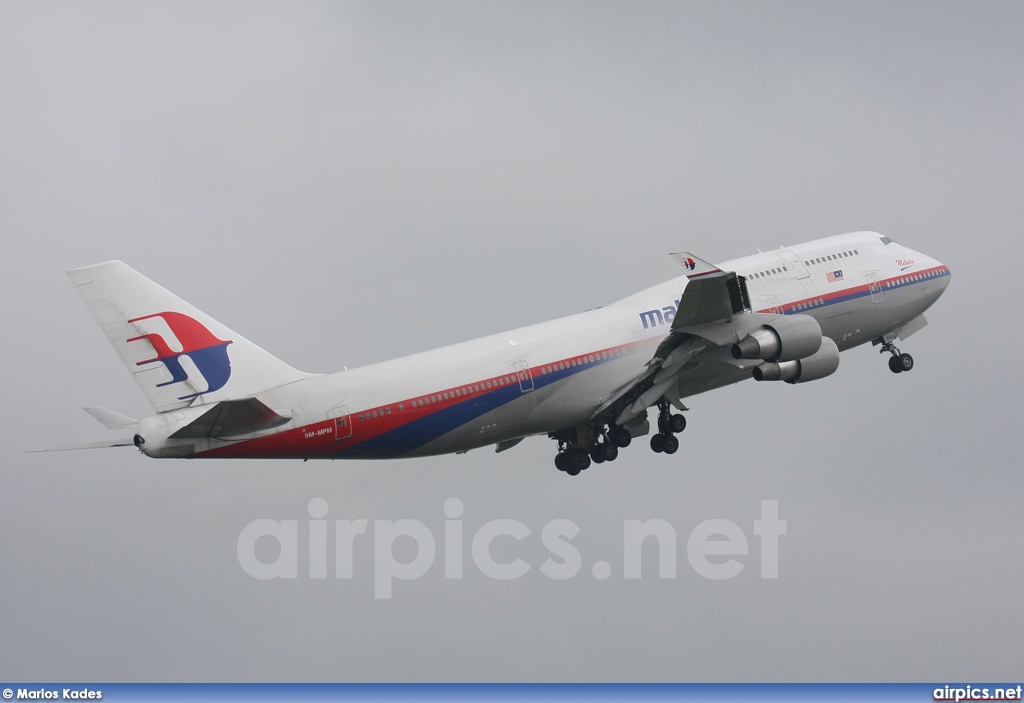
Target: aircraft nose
{"type": "Point", "coordinates": [945, 278]}
{"type": "Point", "coordinates": [942, 280]}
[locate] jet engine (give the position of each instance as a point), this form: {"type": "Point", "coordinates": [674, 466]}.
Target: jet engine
{"type": "Point", "coordinates": [822, 363]}
{"type": "Point", "coordinates": [785, 339]}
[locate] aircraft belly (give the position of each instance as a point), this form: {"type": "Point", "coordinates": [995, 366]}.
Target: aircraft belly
{"type": "Point", "coordinates": [573, 401]}
{"type": "Point", "coordinates": [842, 324]}
{"type": "Point", "coordinates": [911, 301]}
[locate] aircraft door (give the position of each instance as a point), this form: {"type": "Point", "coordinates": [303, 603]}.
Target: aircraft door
{"type": "Point", "coordinates": [775, 305]}
{"type": "Point", "coordinates": [875, 287]}
{"type": "Point", "coordinates": [640, 338]}
{"type": "Point", "coordinates": [523, 374]}
{"type": "Point", "coordinates": [793, 263]}
{"type": "Point", "coordinates": [342, 422]}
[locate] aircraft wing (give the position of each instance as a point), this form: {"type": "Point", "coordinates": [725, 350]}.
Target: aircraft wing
{"type": "Point", "coordinates": [714, 313]}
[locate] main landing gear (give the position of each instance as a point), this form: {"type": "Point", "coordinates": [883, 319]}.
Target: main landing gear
{"type": "Point", "coordinates": [898, 363]}
{"type": "Point", "coordinates": [573, 460]}
{"type": "Point", "coordinates": [669, 425]}
{"type": "Point", "coordinates": [579, 447]}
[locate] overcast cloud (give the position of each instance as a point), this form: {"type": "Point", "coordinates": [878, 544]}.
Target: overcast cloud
{"type": "Point", "coordinates": [344, 183]}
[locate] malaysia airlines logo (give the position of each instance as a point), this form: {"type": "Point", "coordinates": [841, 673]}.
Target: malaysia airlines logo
{"type": "Point", "coordinates": [208, 353]}
{"type": "Point", "coordinates": [834, 276]}
{"type": "Point", "coordinates": [690, 264]}
{"type": "Point", "coordinates": [905, 264]}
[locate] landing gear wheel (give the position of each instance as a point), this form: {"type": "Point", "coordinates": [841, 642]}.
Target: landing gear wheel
{"type": "Point", "coordinates": [611, 452]}
{"type": "Point", "coordinates": [671, 444]}
{"type": "Point", "coordinates": [561, 462]}
{"type": "Point", "coordinates": [620, 437]}
{"type": "Point", "coordinates": [578, 460]}
{"type": "Point", "coordinates": [572, 471]}
{"type": "Point", "coordinates": [597, 454]}
{"type": "Point", "coordinates": [658, 442]}
{"type": "Point", "coordinates": [677, 423]}
{"type": "Point", "coordinates": [898, 362]}
{"type": "Point", "coordinates": [906, 362]}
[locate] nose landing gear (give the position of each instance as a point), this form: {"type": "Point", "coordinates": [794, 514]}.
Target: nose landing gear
{"type": "Point", "coordinates": [898, 362]}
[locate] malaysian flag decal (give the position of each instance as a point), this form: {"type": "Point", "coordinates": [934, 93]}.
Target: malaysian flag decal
{"type": "Point", "coordinates": [834, 276]}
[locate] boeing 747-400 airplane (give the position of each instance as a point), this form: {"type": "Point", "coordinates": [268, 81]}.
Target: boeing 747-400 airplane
{"type": "Point", "coordinates": [587, 381]}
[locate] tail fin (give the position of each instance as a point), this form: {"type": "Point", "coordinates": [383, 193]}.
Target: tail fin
{"type": "Point", "coordinates": [178, 355]}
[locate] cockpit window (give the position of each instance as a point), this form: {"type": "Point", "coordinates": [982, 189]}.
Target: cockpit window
{"type": "Point", "coordinates": [886, 241]}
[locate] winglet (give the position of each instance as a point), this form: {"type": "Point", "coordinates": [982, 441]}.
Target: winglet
{"type": "Point", "coordinates": [694, 266]}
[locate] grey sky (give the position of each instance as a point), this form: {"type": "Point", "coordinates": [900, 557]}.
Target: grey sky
{"type": "Point", "coordinates": [344, 183]}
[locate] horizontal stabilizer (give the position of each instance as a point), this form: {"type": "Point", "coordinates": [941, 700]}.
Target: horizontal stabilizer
{"type": "Point", "coordinates": [110, 419]}
{"type": "Point", "coordinates": [694, 266]}
{"type": "Point", "coordinates": [128, 442]}
{"type": "Point", "coordinates": [231, 418]}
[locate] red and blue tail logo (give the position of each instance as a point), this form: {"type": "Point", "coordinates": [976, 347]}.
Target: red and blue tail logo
{"type": "Point", "coordinates": [207, 352]}
{"type": "Point", "coordinates": [690, 264]}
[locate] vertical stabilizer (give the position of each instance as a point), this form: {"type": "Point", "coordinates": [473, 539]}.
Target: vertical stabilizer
{"type": "Point", "coordinates": [177, 354]}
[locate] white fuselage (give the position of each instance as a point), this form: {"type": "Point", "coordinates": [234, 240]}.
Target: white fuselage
{"type": "Point", "coordinates": [551, 376]}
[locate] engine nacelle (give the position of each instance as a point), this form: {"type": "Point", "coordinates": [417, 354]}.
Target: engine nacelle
{"type": "Point", "coordinates": [819, 365]}
{"type": "Point", "coordinates": [785, 339]}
